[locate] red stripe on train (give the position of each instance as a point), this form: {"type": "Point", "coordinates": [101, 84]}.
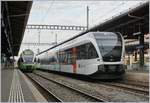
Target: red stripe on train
{"type": "Point", "coordinates": [74, 68]}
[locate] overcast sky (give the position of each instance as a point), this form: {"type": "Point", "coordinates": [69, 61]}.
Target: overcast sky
{"type": "Point", "coordinates": [69, 13]}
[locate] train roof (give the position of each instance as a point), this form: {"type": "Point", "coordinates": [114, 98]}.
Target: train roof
{"type": "Point", "coordinates": [27, 50]}
{"type": "Point", "coordinates": [82, 33]}
{"type": "Point", "coordinates": [63, 42]}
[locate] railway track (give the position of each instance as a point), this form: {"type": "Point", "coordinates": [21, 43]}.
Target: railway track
{"type": "Point", "coordinates": [106, 92]}
{"type": "Point", "coordinates": [132, 88]}
{"type": "Point", "coordinates": [53, 97]}
{"type": "Point", "coordinates": [68, 90]}
{"type": "Point", "coordinates": [137, 84]}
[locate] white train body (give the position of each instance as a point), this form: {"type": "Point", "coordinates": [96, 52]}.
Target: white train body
{"type": "Point", "coordinates": [96, 54]}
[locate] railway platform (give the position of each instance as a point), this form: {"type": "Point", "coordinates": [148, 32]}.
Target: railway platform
{"type": "Point", "coordinates": [137, 76]}
{"type": "Point", "coordinates": [16, 87]}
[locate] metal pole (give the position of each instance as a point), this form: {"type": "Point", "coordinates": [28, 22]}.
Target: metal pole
{"type": "Point", "coordinates": [87, 17]}
{"type": "Point", "coordinates": [39, 39]}
{"type": "Point", "coordinates": [141, 39]}
{"type": "Point", "coordinates": [39, 42]}
{"type": "Point", "coordinates": [56, 38]}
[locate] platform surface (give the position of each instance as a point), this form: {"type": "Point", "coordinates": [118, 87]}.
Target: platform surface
{"type": "Point", "coordinates": [16, 87]}
{"type": "Point", "coordinates": [137, 76]}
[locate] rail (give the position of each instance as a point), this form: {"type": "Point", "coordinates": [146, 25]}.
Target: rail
{"type": "Point", "coordinates": [76, 90]}
{"type": "Point", "coordinates": [131, 88]}
{"type": "Point", "coordinates": [55, 98]}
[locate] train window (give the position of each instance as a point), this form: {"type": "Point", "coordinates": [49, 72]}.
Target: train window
{"type": "Point", "coordinates": [69, 56]}
{"type": "Point", "coordinates": [35, 59]}
{"type": "Point", "coordinates": [21, 60]}
{"type": "Point", "coordinates": [110, 46]}
{"type": "Point", "coordinates": [41, 61]}
{"type": "Point", "coordinates": [38, 60]}
{"type": "Point", "coordinates": [46, 61]}
{"type": "Point", "coordinates": [52, 59]}
{"type": "Point", "coordinates": [92, 53]}
{"type": "Point", "coordinates": [82, 52]}
{"type": "Point", "coordinates": [61, 57]}
{"type": "Point", "coordinates": [86, 51]}
{"type": "Point", "coordinates": [65, 56]}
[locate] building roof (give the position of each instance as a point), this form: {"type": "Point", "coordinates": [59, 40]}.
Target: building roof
{"type": "Point", "coordinates": [17, 13]}
{"type": "Point", "coordinates": [132, 21]}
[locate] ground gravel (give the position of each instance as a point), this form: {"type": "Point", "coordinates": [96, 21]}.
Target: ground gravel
{"type": "Point", "coordinates": [96, 89]}
{"type": "Point", "coordinates": [65, 94]}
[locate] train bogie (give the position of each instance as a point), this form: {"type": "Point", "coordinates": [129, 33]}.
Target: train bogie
{"type": "Point", "coordinates": [109, 72]}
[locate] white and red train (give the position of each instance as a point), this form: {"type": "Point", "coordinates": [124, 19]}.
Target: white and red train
{"type": "Point", "coordinates": [96, 54]}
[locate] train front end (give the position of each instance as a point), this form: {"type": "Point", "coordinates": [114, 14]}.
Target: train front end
{"type": "Point", "coordinates": [111, 53]}
{"type": "Point", "coordinates": [26, 62]}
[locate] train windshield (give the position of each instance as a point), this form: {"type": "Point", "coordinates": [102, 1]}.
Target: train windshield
{"type": "Point", "coordinates": [28, 59]}
{"type": "Point", "coordinates": [110, 45]}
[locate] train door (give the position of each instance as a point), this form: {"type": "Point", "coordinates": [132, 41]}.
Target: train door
{"type": "Point", "coordinates": [81, 59]}
{"type": "Point", "coordinates": [66, 61]}
{"type": "Point", "coordinates": [87, 59]}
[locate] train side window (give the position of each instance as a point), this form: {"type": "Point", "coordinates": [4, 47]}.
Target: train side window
{"type": "Point", "coordinates": [38, 60]}
{"type": "Point", "coordinates": [46, 61]}
{"type": "Point", "coordinates": [21, 60]}
{"type": "Point", "coordinates": [92, 53]}
{"type": "Point", "coordinates": [69, 56]}
{"type": "Point", "coordinates": [81, 54]}
{"type": "Point", "coordinates": [50, 59]}
{"type": "Point", "coordinates": [53, 59]}
{"type": "Point", "coordinates": [35, 59]}
{"type": "Point", "coordinates": [86, 51]}
{"type": "Point", "coordinates": [65, 56]}
{"type": "Point", "coordinates": [61, 56]}
{"type": "Point", "coordinates": [41, 60]}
